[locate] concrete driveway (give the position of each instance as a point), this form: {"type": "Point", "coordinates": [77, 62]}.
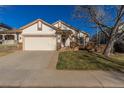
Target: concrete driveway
{"type": "Point", "coordinates": [37, 69]}
{"type": "Point", "coordinates": [18, 66]}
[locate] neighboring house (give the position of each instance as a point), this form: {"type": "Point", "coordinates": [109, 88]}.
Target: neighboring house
{"type": "Point", "coordinates": [40, 35]}
{"type": "Point", "coordinates": [119, 44]}
{"type": "Point", "coordinates": [4, 27]}
{"type": "Point", "coordinates": [8, 35]}
{"type": "Point", "coordinates": [100, 37]}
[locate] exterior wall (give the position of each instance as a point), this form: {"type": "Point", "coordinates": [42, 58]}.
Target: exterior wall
{"type": "Point", "coordinates": [35, 39]}
{"type": "Point", "coordinates": [56, 25]}
{"type": "Point", "coordinates": [59, 38]}
{"type": "Point", "coordinates": [9, 42]}
{"type": "Point", "coordinates": [20, 38]}
{"type": "Point", "coordinates": [34, 30]}
{"type": "Point", "coordinates": [87, 39]}
{"type": "Point", "coordinates": [84, 37]}
{"type": "Point", "coordinates": [67, 43]}
{"type": "Point", "coordinates": [81, 34]}
{"type": "Point", "coordinates": [64, 27]}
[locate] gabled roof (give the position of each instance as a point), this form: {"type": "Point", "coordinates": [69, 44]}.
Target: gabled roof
{"type": "Point", "coordinates": [5, 26]}
{"type": "Point", "coordinates": [11, 31]}
{"type": "Point", "coordinates": [69, 26]}
{"type": "Point", "coordinates": [30, 24]}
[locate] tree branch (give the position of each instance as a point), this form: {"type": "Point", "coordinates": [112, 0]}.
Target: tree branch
{"type": "Point", "coordinates": [100, 25]}
{"type": "Point", "coordinates": [106, 34]}
{"type": "Point", "coordinates": [117, 22]}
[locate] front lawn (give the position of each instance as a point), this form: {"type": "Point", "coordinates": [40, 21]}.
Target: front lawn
{"type": "Point", "coordinates": [83, 60]}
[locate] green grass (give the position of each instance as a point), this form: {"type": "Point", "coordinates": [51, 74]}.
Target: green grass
{"type": "Point", "coordinates": [83, 60]}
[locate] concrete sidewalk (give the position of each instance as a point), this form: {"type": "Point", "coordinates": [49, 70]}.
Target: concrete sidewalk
{"type": "Point", "coordinates": [37, 69]}
{"type": "Point", "coordinates": [74, 79]}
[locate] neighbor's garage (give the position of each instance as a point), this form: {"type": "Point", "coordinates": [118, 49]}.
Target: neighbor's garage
{"type": "Point", "coordinates": [38, 42]}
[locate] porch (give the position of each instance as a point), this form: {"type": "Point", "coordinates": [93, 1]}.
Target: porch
{"type": "Point", "coordinates": [9, 37]}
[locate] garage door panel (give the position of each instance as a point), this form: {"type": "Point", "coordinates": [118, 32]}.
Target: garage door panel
{"type": "Point", "coordinates": [40, 43]}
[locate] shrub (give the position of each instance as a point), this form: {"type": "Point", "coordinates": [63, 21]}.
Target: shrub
{"type": "Point", "coordinates": [119, 46]}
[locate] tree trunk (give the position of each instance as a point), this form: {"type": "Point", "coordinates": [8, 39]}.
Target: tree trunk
{"type": "Point", "coordinates": [109, 48]}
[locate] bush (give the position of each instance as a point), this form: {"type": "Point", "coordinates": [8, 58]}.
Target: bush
{"type": "Point", "coordinates": [73, 44]}
{"type": "Point", "coordinates": [119, 46]}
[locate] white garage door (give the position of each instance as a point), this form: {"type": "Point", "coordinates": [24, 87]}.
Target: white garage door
{"type": "Point", "coordinates": [39, 43]}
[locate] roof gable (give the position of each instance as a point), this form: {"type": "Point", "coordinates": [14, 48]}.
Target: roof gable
{"type": "Point", "coordinates": [69, 26]}
{"type": "Point", "coordinates": [36, 21]}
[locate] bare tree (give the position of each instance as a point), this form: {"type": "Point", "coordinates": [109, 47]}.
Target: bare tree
{"type": "Point", "coordinates": [106, 18]}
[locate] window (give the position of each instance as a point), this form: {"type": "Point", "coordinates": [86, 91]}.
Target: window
{"type": "Point", "coordinates": [39, 26]}
{"type": "Point", "coordinates": [81, 40]}
{"type": "Point", "coordinates": [59, 25]}
{"type": "Point", "coordinates": [1, 37]}
{"type": "Point", "coordinates": [9, 37]}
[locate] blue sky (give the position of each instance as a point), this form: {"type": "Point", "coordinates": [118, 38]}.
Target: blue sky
{"type": "Point", "coordinates": [17, 16]}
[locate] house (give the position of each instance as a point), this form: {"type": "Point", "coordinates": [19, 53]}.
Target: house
{"type": "Point", "coordinates": [4, 27]}
{"type": "Point", "coordinates": [40, 35]}
{"type": "Point", "coordinates": [100, 37]}
{"type": "Point", "coordinates": [8, 35]}
{"type": "Point", "coordinates": [101, 40]}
